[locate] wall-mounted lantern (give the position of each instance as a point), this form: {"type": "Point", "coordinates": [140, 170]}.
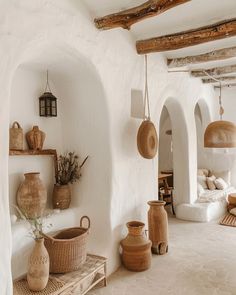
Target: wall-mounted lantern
{"type": "Point", "coordinates": [47, 103]}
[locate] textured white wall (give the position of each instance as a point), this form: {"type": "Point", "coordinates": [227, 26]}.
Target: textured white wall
{"type": "Point", "coordinates": [126, 181]}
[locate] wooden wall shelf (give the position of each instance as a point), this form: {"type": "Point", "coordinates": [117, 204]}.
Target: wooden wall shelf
{"type": "Point", "coordinates": [48, 152]}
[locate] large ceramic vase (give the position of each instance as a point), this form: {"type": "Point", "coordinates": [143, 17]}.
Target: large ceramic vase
{"type": "Point", "coordinates": [61, 196]}
{"type": "Point", "coordinates": [158, 227]}
{"type": "Point", "coordinates": [38, 267]}
{"type": "Point", "coordinates": [136, 248]}
{"type": "Point", "coordinates": [35, 138]}
{"type": "Point", "coordinates": [32, 195]}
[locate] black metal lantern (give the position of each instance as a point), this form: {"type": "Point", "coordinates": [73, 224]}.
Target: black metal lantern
{"type": "Point", "coordinates": [47, 103]}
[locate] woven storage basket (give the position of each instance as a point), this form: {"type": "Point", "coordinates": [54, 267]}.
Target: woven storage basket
{"type": "Point", "coordinates": [68, 249]}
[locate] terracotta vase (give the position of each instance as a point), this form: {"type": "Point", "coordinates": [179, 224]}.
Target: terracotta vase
{"type": "Point", "coordinates": [32, 195]}
{"type": "Point", "coordinates": [158, 227]}
{"type": "Point", "coordinates": [136, 248]}
{"type": "Point", "coordinates": [35, 138]}
{"type": "Point", "coordinates": [61, 197]}
{"type": "Point", "coordinates": [38, 267]}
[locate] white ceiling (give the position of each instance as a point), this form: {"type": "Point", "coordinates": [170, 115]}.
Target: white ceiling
{"type": "Point", "coordinates": [190, 15]}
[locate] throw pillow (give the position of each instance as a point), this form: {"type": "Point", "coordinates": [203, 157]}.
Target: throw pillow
{"type": "Point", "coordinates": [233, 211]}
{"type": "Point", "coordinates": [202, 172]}
{"type": "Point", "coordinates": [202, 181]}
{"type": "Point", "coordinates": [222, 174]}
{"type": "Point", "coordinates": [200, 190]}
{"type": "Point", "coordinates": [211, 182]}
{"type": "Point", "coordinates": [220, 184]}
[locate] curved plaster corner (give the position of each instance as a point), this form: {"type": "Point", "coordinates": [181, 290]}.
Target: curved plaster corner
{"type": "Point", "coordinates": [82, 125]}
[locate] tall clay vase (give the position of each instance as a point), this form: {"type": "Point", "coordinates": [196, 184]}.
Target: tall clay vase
{"type": "Point", "coordinates": [158, 227]}
{"type": "Point", "coordinates": [35, 138]}
{"type": "Point", "coordinates": [32, 195]}
{"type": "Point", "coordinates": [136, 248]}
{"type": "Point", "coordinates": [61, 196]}
{"type": "Point", "coordinates": [38, 267]}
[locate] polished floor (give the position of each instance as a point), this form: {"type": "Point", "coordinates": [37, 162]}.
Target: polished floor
{"type": "Point", "coordinates": [201, 261]}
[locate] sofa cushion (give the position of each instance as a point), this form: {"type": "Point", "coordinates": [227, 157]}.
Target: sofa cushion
{"type": "Point", "coordinates": [200, 189]}
{"type": "Point", "coordinates": [202, 180]}
{"type": "Point", "coordinates": [222, 174]}
{"type": "Point", "coordinates": [202, 172]}
{"type": "Point", "coordinates": [221, 184]}
{"type": "Point", "coordinates": [211, 182]}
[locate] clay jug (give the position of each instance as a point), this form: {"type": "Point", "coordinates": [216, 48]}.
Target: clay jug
{"type": "Point", "coordinates": [32, 195]}
{"type": "Point", "coordinates": [158, 227]}
{"type": "Point", "coordinates": [61, 196]}
{"type": "Point", "coordinates": [35, 138]}
{"type": "Point", "coordinates": [136, 248]}
{"type": "Point", "coordinates": [38, 267]}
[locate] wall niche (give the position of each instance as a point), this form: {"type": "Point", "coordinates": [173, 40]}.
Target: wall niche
{"type": "Point", "coordinates": [81, 126]}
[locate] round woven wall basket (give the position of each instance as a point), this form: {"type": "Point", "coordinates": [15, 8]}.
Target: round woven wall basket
{"type": "Point", "coordinates": [147, 140]}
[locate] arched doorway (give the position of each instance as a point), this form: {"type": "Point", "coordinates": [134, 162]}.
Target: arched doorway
{"type": "Point", "coordinates": [174, 149]}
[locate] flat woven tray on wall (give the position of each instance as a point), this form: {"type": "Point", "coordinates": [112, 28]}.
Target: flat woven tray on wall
{"type": "Point", "coordinates": [54, 287]}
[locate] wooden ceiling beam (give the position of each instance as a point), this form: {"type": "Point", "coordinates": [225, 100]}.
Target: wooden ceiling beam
{"type": "Point", "coordinates": [214, 71]}
{"type": "Point", "coordinates": [125, 19]}
{"type": "Point", "coordinates": [179, 40]}
{"type": "Point", "coordinates": [222, 79]}
{"type": "Point", "coordinates": [215, 55]}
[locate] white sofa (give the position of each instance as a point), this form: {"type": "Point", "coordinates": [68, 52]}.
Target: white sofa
{"type": "Point", "coordinates": [210, 204]}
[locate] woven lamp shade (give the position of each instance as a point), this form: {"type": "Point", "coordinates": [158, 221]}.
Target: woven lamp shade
{"type": "Point", "coordinates": [220, 134]}
{"type": "Point", "coordinates": [147, 140]}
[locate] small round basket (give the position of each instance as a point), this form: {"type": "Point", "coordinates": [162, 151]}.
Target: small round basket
{"type": "Point", "coordinates": [68, 248]}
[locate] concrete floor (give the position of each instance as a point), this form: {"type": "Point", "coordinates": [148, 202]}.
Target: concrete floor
{"type": "Point", "coordinates": [201, 261]}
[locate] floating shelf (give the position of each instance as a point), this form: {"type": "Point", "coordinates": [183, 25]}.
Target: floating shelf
{"type": "Point", "coordinates": [49, 152]}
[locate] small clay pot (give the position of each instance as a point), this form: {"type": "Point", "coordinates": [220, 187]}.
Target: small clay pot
{"type": "Point", "coordinates": [61, 196]}
{"type": "Point", "coordinates": [35, 138]}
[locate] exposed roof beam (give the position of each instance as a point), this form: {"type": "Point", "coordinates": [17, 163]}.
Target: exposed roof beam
{"type": "Point", "coordinates": [215, 55]}
{"type": "Point", "coordinates": [179, 40]}
{"type": "Point", "coordinates": [223, 79]}
{"type": "Point", "coordinates": [214, 71]}
{"type": "Point", "coordinates": [226, 86]}
{"type": "Point", "coordinates": [127, 18]}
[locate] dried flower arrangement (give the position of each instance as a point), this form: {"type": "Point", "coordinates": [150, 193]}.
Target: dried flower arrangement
{"type": "Point", "coordinates": [69, 170]}
{"type": "Point", "coordinates": [36, 224]}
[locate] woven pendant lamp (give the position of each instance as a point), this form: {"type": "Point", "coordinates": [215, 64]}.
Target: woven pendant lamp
{"type": "Point", "coordinates": [220, 134]}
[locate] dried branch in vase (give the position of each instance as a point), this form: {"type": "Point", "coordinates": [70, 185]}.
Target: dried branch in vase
{"type": "Point", "coordinates": [69, 170]}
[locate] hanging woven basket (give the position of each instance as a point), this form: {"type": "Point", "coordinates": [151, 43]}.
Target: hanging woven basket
{"type": "Point", "coordinates": [147, 141]}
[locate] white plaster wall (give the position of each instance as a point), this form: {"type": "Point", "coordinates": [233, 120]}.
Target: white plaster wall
{"type": "Point", "coordinates": [165, 154]}
{"type": "Point", "coordinates": [67, 25]}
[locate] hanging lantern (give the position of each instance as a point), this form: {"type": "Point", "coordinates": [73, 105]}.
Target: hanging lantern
{"type": "Point", "coordinates": [220, 134]}
{"type": "Point", "coordinates": [47, 103]}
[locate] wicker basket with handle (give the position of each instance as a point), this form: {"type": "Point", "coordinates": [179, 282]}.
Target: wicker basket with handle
{"type": "Point", "coordinates": [16, 137]}
{"type": "Point", "coordinates": [68, 248]}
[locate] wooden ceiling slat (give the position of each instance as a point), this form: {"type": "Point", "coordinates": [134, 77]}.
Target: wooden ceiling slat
{"type": "Point", "coordinates": [125, 19]}
{"type": "Point", "coordinates": [179, 40]}
{"type": "Point", "coordinates": [214, 55]}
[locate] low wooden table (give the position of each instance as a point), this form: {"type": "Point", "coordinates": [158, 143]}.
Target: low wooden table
{"type": "Point", "coordinates": [90, 275]}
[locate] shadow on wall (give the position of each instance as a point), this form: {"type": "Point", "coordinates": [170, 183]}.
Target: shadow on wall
{"type": "Point", "coordinates": [82, 126]}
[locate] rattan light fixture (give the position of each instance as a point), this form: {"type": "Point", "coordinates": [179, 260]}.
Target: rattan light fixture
{"type": "Point", "coordinates": [220, 134]}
